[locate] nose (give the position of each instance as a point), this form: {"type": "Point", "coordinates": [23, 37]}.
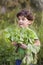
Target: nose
{"type": "Point", "coordinates": [20, 21]}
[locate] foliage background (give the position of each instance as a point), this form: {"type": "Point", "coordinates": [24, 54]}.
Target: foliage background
{"type": "Point", "coordinates": [8, 11]}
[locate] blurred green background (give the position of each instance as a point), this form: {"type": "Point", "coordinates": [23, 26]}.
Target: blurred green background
{"type": "Point", "coordinates": [8, 11]}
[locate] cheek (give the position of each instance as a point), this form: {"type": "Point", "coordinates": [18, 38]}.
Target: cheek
{"type": "Point", "coordinates": [20, 21]}
{"type": "Point", "coordinates": [26, 23]}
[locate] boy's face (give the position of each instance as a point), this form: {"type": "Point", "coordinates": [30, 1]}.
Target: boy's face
{"type": "Point", "coordinates": [23, 21]}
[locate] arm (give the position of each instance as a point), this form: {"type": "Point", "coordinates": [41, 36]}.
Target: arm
{"type": "Point", "coordinates": [17, 46]}
{"type": "Point", "coordinates": [24, 46]}
{"type": "Point", "coordinates": [36, 43]}
{"type": "Point", "coordinates": [36, 46]}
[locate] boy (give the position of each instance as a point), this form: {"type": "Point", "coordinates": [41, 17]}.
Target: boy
{"type": "Point", "coordinates": [27, 50]}
{"type": "Point", "coordinates": [25, 18]}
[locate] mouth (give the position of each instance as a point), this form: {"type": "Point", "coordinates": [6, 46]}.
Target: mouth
{"type": "Point", "coordinates": [21, 24]}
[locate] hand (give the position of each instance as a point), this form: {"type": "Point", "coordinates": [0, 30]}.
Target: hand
{"type": "Point", "coordinates": [24, 46]}
{"type": "Point", "coordinates": [14, 43]}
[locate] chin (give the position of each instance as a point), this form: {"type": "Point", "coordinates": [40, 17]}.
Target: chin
{"type": "Point", "coordinates": [21, 25]}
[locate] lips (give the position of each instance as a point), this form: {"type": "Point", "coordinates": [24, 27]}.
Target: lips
{"type": "Point", "coordinates": [21, 24]}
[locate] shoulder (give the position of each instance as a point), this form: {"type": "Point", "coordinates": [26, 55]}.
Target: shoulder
{"type": "Point", "coordinates": [32, 33]}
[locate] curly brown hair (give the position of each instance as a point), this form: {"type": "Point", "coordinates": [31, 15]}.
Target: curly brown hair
{"type": "Point", "coordinates": [26, 14]}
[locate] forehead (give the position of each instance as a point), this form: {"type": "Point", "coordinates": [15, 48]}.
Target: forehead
{"type": "Point", "coordinates": [20, 17]}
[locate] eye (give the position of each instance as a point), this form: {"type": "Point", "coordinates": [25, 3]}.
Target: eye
{"type": "Point", "coordinates": [18, 18]}
{"type": "Point", "coordinates": [23, 18]}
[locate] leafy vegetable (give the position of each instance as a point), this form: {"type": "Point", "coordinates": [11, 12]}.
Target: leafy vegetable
{"type": "Point", "coordinates": [22, 35]}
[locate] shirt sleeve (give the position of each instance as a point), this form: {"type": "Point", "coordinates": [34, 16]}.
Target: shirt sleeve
{"type": "Point", "coordinates": [32, 47]}
{"type": "Point", "coordinates": [33, 35]}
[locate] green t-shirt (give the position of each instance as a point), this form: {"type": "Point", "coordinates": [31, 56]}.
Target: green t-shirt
{"type": "Point", "coordinates": [25, 34]}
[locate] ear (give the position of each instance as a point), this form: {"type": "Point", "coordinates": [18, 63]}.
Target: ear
{"type": "Point", "coordinates": [30, 22]}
